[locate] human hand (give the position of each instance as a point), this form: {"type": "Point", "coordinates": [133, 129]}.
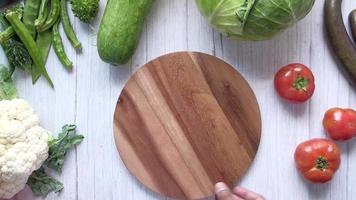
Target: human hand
{"type": "Point", "coordinates": [223, 192]}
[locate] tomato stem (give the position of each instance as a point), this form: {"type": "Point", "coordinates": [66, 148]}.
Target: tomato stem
{"type": "Point", "coordinates": [321, 163]}
{"type": "Point", "coordinates": [301, 83]}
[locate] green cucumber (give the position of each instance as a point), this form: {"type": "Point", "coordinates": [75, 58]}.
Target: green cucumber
{"type": "Point", "coordinates": [121, 28]}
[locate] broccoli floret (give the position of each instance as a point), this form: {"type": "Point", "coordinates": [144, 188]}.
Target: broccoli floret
{"type": "Point", "coordinates": [85, 10]}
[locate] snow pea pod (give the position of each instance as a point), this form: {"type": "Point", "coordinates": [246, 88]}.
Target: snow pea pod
{"type": "Point", "coordinates": [59, 48]}
{"type": "Point", "coordinates": [352, 19]}
{"type": "Point", "coordinates": [44, 42]}
{"type": "Point", "coordinates": [68, 29]}
{"type": "Point", "coordinates": [30, 14]}
{"type": "Point", "coordinates": [30, 44]}
{"type": "Point", "coordinates": [52, 17]}
{"type": "Point", "coordinates": [339, 38]}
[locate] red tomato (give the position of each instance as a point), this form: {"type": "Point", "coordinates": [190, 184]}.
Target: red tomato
{"type": "Point", "coordinates": [295, 82]}
{"type": "Point", "coordinates": [317, 159]}
{"type": "Point", "coordinates": [340, 123]}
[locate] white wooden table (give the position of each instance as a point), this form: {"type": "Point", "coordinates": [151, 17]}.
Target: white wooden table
{"type": "Point", "coordinates": [87, 97]}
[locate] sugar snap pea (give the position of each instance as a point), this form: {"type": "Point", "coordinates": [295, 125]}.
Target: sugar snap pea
{"type": "Point", "coordinates": [30, 44]}
{"type": "Point", "coordinates": [68, 29]}
{"type": "Point", "coordinates": [42, 14]}
{"type": "Point", "coordinates": [53, 16]}
{"type": "Point", "coordinates": [30, 14]}
{"type": "Point", "coordinates": [59, 48]}
{"type": "Point", "coordinates": [352, 19]}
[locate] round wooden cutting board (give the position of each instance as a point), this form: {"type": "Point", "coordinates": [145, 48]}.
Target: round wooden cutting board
{"type": "Point", "coordinates": [185, 121]}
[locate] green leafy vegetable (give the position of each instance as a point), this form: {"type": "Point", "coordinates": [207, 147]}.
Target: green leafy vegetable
{"type": "Point", "coordinates": [253, 19]}
{"type": "Point", "coordinates": [59, 147]}
{"type": "Point", "coordinates": [41, 184]}
{"type": "Point", "coordinates": [7, 87]}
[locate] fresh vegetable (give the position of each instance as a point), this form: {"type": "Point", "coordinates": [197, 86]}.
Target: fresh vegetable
{"type": "Point", "coordinates": [44, 42]}
{"type": "Point", "coordinates": [317, 159]}
{"type": "Point", "coordinates": [52, 17]}
{"type": "Point", "coordinates": [21, 138]}
{"type": "Point", "coordinates": [15, 51]}
{"type": "Point", "coordinates": [85, 10]}
{"type": "Point", "coordinates": [30, 45]}
{"type": "Point", "coordinates": [42, 14]}
{"type": "Point", "coordinates": [120, 29]}
{"type": "Point", "coordinates": [59, 48]}
{"type": "Point", "coordinates": [30, 15]}
{"type": "Point", "coordinates": [253, 19]}
{"type": "Point", "coordinates": [7, 90]}
{"type": "Point", "coordinates": [24, 47]}
{"type": "Point", "coordinates": [340, 123]}
{"type": "Point", "coordinates": [6, 34]}
{"type": "Point", "coordinates": [339, 38]}
{"type": "Point", "coordinates": [41, 184]}
{"type": "Point", "coordinates": [8, 31]}
{"type": "Point", "coordinates": [17, 55]}
{"type": "Point", "coordinates": [295, 82]}
{"type": "Point", "coordinates": [59, 147]}
{"type": "Point", "coordinates": [68, 29]}
{"type": "Point", "coordinates": [352, 19]}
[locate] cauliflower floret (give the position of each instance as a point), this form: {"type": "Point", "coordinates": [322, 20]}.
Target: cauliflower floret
{"type": "Point", "coordinates": [23, 145]}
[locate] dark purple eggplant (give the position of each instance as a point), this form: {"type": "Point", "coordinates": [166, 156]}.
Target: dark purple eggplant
{"type": "Point", "coordinates": [352, 20]}
{"type": "Point", "coordinates": [339, 39]}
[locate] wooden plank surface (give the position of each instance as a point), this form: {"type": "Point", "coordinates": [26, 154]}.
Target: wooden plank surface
{"type": "Point", "coordinates": [88, 96]}
{"type": "Point", "coordinates": [186, 121]}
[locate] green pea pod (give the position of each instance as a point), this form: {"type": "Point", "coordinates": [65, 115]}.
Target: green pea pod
{"type": "Point", "coordinates": [30, 44]}
{"type": "Point", "coordinates": [44, 42]}
{"type": "Point", "coordinates": [30, 14]}
{"type": "Point", "coordinates": [52, 17]}
{"type": "Point", "coordinates": [59, 48]}
{"type": "Point", "coordinates": [68, 29]}
{"type": "Point", "coordinates": [42, 14]}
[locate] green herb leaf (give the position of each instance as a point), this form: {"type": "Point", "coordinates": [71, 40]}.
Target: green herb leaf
{"type": "Point", "coordinates": [59, 147]}
{"type": "Point", "coordinates": [41, 184]}
{"type": "Point", "coordinates": [7, 87]}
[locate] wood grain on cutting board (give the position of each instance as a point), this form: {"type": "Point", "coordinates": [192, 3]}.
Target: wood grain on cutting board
{"type": "Point", "coordinates": [185, 121]}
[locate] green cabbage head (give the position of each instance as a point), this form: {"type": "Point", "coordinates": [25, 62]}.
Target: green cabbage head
{"type": "Point", "coordinates": [254, 19]}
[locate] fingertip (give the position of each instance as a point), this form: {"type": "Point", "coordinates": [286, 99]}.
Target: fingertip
{"type": "Point", "coordinates": [246, 194]}
{"type": "Point", "coordinates": [223, 192]}
{"type": "Point", "coordinates": [242, 192]}
{"type": "Point", "coordinates": [220, 187]}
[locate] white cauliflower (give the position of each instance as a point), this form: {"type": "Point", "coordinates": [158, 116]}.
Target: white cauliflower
{"type": "Point", "coordinates": [23, 145]}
